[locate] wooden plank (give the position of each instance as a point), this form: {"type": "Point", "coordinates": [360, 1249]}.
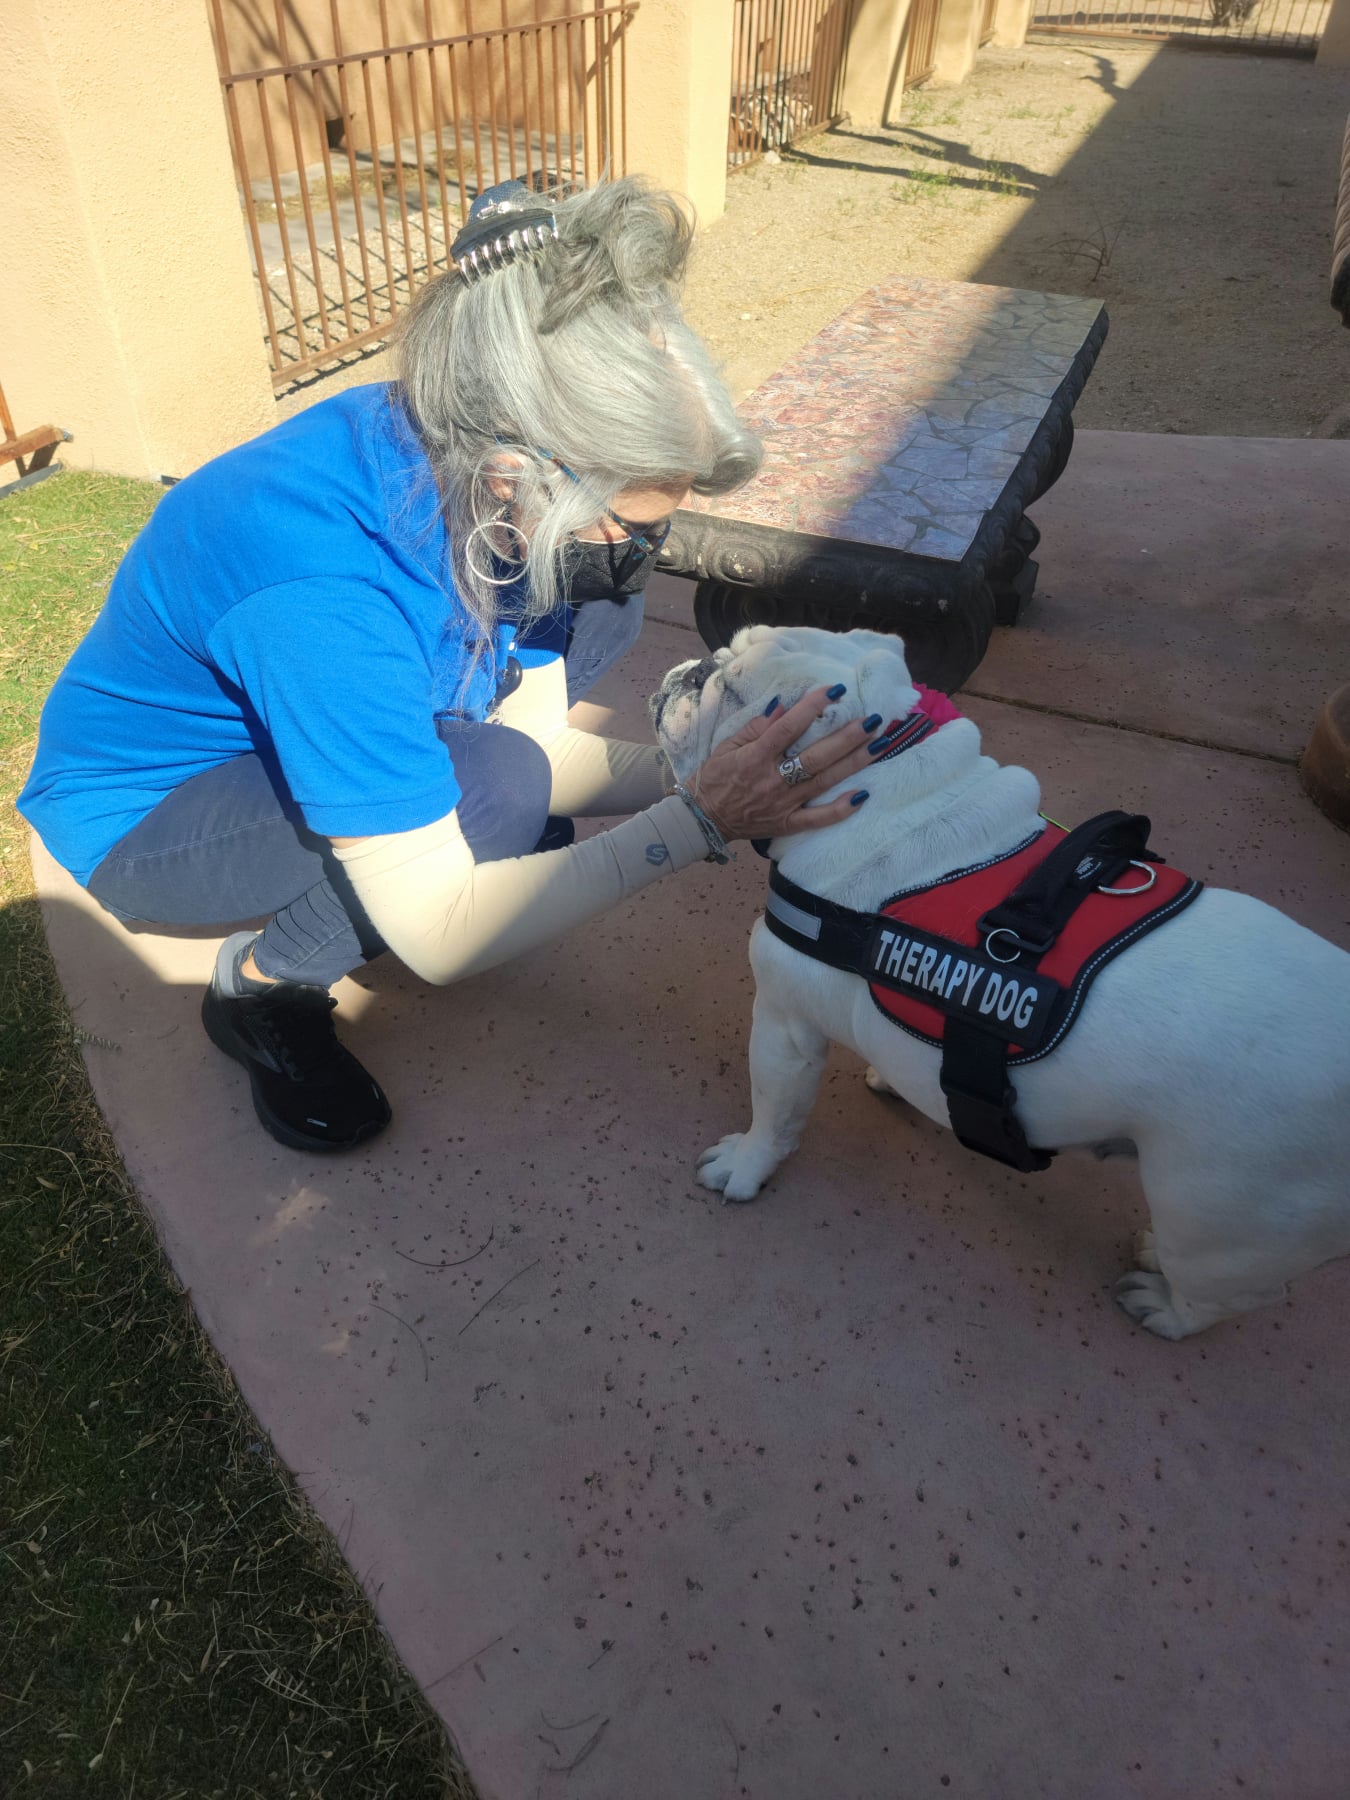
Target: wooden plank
{"type": "Point", "coordinates": [42, 437]}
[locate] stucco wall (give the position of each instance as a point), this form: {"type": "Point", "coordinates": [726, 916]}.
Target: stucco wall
{"type": "Point", "coordinates": [679, 89]}
{"type": "Point", "coordinates": [1333, 52]}
{"type": "Point", "coordinates": [128, 313]}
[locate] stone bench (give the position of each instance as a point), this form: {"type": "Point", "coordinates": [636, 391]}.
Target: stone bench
{"type": "Point", "coordinates": [905, 442]}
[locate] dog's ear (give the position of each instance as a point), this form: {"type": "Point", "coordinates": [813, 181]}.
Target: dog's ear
{"type": "Point", "coordinates": [883, 678]}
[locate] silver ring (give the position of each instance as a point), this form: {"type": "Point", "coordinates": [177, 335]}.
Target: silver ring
{"type": "Point", "coordinates": [993, 954]}
{"type": "Point", "coordinates": [1143, 886]}
{"type": "Point", "coordinates": [792, 771]}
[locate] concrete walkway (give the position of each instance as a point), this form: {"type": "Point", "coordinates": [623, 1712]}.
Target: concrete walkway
{"type": "Point", "coordinates": [866, 1491]}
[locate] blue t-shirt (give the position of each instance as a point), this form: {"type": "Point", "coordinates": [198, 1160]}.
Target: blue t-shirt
{"type": "Point", "coordinates": [293, 598]}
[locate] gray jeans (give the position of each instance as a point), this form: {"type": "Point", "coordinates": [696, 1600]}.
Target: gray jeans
{"type": "Point", "coordinates": [230, 843]}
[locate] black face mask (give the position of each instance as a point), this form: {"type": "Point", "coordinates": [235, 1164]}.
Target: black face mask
{"type": "Point", "coordinates": [602, 571]}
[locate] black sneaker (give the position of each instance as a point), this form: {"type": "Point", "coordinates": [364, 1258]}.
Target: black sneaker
{"type": "Point", "coordinates": [309, 1091]}
{"type": "Point", "coordinates": [557, 834]}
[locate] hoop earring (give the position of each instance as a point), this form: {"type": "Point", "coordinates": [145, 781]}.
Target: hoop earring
{"type": "Point", "coordinates": [485, 526]}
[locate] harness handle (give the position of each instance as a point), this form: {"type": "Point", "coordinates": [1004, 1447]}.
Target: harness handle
{"type": "Point", "coordinates": [1091, 856]}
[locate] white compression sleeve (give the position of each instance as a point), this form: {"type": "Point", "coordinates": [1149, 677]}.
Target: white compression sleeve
{"type": "Point", "coordinates": [447, 916]}
{"type": "Point", "coordinates": [593, 777]}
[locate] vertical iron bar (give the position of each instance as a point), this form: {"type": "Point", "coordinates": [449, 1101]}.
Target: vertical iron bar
{"type": "Point", "coordinates": [437, 111]}
{"type": "Point", "coordinates": [354, 174]}
{"type": "Point", "coordinates": [569, 56]}
{"type": "Point", "coordinates": [321, 297]}
{"type": "Point", "coordinates": [585, 105]}
{"type": "Point", "coordinates": [522, 47]}
{"type": "Point", "coordinates": [338, 252]}
{"type": "Point", "coordinates": [623, 95]}
{"type": "Point", "coordinates": [506, 94]}
{"type": "Point", "coordinates": [279, 201]}
{"type": "Point", "coordinates": [749, 75]}
{"type": "Point", "coordinates": [396, 135]}
{"type": "Point", "coordinates": [459, 137]}
{"type": "Point", "coordinates": [372, 139]}
{"type": "Point", "coordinates": [799, 68]}
{"type": "Point", "coordinates": [611, 34]}
{"type": "Point", "coordinates": [416, 109]}
{"type": "Point", "coordinates": [734, 110]}
{"type": "Point", "coordinates": [558, 106]}
{"type": "Point", "coordinates": [543, 103]}
{"type": "Point", "coordinates": [474, 109]}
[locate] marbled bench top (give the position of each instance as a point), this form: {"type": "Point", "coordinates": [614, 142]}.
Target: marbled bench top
{"type": "Point", "coordinates": [899, 423]}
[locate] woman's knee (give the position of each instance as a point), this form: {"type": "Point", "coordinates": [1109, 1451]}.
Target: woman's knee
{"type": "Point", "coordinates": [505, 782]}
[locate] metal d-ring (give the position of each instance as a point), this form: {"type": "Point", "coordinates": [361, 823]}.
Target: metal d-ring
{"type": "Point", "coordinates": [1002, 931]}
{"type": "Point", "coordinates": [1143, 886]}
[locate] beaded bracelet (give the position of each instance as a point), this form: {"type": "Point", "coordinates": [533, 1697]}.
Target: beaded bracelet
{"type": "Point", "coordinates": [717, 847]}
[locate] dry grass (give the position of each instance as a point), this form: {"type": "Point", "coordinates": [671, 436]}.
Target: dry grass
{"type": "Point", "coordinates": [176, 1623]}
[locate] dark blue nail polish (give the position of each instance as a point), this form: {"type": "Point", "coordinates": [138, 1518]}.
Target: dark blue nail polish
{"type": "Point", "coordinates": [769, 708]}
{"type": "Point", "coordinates": [858, 798]}
{"type": "Point", "coordinates": [871, 722]}
{"type": "Point", "coordinates": [837, 692]}
{"type": "Point", "coordinates": [877, 745]}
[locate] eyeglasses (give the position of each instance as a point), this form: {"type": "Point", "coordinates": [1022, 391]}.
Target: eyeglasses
{"type": "Point", "coordinates": [647, 539]}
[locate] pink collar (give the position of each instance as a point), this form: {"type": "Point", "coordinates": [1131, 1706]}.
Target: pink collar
{"type": "Point", "coordinates": [937, 706]}
{"type": "Point", "coordinates": [934, 710]}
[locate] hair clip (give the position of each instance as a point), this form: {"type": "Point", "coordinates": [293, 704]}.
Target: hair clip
{"type": "Point", "coordinates": [484, 246]}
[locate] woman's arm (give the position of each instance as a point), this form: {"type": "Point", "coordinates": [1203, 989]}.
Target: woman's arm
{"type": "Point", "coordinates": [593, 777]}
{"type": "Point", "coordinates": [447, 916]}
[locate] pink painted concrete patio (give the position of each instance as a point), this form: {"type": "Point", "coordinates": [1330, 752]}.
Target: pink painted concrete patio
{"type": "Point", "coordinates": [866, 1491]}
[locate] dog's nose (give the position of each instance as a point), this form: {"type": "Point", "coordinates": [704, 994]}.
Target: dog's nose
{"type": "Point", "coordinates": [696, 677]}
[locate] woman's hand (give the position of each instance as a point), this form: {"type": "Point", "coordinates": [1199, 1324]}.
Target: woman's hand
{"type": "Point", "coordinates": [739, 786]}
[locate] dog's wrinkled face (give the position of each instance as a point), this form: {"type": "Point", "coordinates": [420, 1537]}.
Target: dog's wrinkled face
{"type": "Point", "coordinates": [701, 704]}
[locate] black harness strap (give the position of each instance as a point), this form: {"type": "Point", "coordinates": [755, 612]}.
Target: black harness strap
{"type": "Point", "coordinates": [981, 1099]}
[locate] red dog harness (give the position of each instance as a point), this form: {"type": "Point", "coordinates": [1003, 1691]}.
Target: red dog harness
{"type": "Point", "coordinates": [993, 981]}
{"type": "Point", "coordinates": [991, 963]}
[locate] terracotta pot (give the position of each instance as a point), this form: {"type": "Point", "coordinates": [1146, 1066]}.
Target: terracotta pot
{"type": "Point", "coordinates": [1324, 767]}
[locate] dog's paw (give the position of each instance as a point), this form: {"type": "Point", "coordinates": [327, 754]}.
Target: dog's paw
{"type": "Point", "coordinates": [734, 1168]}
{"type": "Point", "coordinates": [1146, 1296]}
{"type": "Point", "coordinates": [878, 1083]}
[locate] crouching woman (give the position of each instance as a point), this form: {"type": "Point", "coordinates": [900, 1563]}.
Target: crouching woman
{"type": "Point", "coordinates": [330, 683]}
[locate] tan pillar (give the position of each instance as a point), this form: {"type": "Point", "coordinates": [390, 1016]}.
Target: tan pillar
{"type": "Point", "coordinates": [1333, 52]}
{"type": "Point", "coordinates": [127, 309]}
{"type": "Point", "coordinates": [958, 39]}
{"type": "Point", "coordinates": [679, 98]}
{"type": "Point", "coordinates": [872, 72]}
{"type": "Point", "coordinates": [1012, 21]}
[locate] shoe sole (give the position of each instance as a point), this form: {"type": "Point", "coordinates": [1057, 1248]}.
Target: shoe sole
{"type": "Point", "coordinates": [277, 1128]}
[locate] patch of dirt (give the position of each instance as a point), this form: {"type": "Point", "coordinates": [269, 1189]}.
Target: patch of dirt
{"type": "Point", "coordinates": [1193, 192]}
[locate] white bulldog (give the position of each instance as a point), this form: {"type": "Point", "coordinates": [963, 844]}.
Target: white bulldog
{"type": "Point", "coordinates": [1217, 1048]}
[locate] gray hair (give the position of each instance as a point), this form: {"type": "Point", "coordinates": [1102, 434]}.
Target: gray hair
{"type": "Point", "coordinates": [579, 351]}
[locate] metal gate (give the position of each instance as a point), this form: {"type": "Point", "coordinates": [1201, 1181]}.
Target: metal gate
{"type": "Point", "coordinates": [787, 72]}
{"type": "Point", "coordinates": [357, 165]}
{"type": "Point", "coordinates": [921, 41]}
{"type": "Point", "coordinates": [1281, 27]}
